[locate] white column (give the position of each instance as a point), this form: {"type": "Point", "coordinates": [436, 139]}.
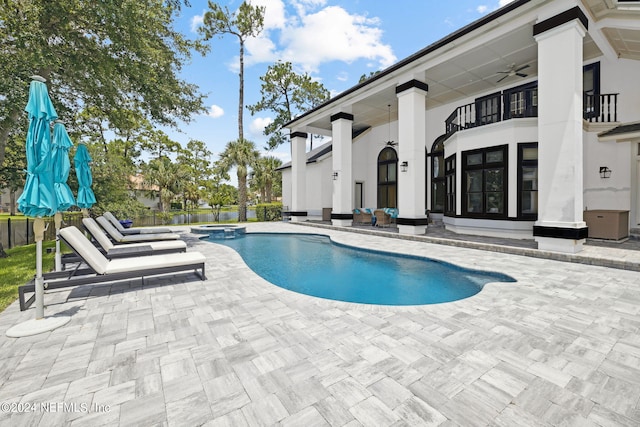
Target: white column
{"type": "Point", "coordinates": [411, 151]}
{"type": "Point", "coordinates": [341, 130]}
{"type": "Point", "coordinates": [298, 208]}
{"type": "Point", "coordinates": [560, 226]}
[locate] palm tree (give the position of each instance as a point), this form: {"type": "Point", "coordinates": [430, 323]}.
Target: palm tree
{"type": "Point", "coordinates": [165, 175]}
{"type": "Point", "coordinates": [242, 154]}
{"type": "Point", "coordinates": [266, 175]}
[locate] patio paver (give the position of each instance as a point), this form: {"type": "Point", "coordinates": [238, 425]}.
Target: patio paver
{"type": "Point", "coordinates": [561, 346]}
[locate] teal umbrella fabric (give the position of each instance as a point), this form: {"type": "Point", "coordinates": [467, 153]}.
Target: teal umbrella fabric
{"type": "Point", "coordinates": [38, 197]}
{"type": "Point", "coordinates": [82, 160]}
{"type": "Point", "coordinates": [61, 167]}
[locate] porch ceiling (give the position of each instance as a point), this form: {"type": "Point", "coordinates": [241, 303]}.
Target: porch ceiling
{"type": "Point", "coordinates": [625, 42]}
{"type": "Point", "coordinates": [468, 74]}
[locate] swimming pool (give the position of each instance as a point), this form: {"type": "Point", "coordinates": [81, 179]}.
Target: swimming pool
{"type": "Point", "coordinates": [313, 265]}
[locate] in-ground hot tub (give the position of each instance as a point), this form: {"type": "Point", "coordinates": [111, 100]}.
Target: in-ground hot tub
{"type": "Point", "coordinates": [219, 231]}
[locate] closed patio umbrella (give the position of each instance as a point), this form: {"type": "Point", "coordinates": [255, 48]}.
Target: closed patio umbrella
{"type": "Point", "coordinates": [82, 161]}
{"type": "Point", "coordinates": [61, 166]}
{"type": "Point", "coordinates": [38, 198]}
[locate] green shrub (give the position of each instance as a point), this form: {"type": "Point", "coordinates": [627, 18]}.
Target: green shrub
{"type": "Point", "coordinates": [269, 211]}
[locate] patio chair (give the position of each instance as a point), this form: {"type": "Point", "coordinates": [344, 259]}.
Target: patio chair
{"type": "Point", "coordinates": [361, 216]}
{"type": "Point", "coordinates": [127, 231]}
{"type": "Point", "coordinates": [100, 269]}
{"type": "Point", "coordinates": [111, 251]}
{"type": "Point", "coordinates": [383, 219]}
{"type": "Point", "coordinates": [118, 237]}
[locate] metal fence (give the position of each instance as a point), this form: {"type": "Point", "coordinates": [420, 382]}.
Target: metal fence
{"type": "Point", "coordinates": [19, 231]}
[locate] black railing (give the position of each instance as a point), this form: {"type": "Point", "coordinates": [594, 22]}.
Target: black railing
{"type": "Point", "coordinates": [597, 108]}
{"type": "Point", "coordinates": [601, 108]}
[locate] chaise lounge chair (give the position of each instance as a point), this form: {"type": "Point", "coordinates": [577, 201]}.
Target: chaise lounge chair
{"type": "Point", "coordinates": [102, 269]}
{"type": "Point", "coordinates": [128, 231]}
{"type": "Point", "coordinates": [118, 237]}
{"type": "Point", "coordinates": [111, 251]}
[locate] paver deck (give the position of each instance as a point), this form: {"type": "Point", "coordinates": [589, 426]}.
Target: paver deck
{"type": "Point", "coordinates": [559, 347]}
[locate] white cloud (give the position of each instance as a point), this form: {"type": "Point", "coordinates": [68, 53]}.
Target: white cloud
{"type": "Point", "coordinates": [482, 8]}
{"type": "Point", "coordinates": [215, 111]}
{"type": "Point", "coordinates": [258, 124]}
{"type": "Point", "coordinates": [196, 21]}
{"type": "Point", "coordinates": [344, 37]}
{"type": "Point", "coordinates": [343, 76]}
{"type": "Point", "coordinates": [274, 16]}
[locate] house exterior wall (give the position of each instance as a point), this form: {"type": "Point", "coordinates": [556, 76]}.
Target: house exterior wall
{"type": "Point", "coordinates": [568, 171]}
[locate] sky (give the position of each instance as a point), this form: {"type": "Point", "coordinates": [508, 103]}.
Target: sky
{"type": "Point", "coordinates": [334, 41]}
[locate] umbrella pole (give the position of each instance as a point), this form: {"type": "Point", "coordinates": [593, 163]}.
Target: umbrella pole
{"type": "Point", "coordinates": [38, 231]}
{"type": "Point", "coordinates": [58, 222]}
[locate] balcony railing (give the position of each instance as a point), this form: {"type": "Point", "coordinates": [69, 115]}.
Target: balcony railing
{"type": "Point", "coordinates": [597, 108]}
{"type": "Point", "coordinates": [601, 108]}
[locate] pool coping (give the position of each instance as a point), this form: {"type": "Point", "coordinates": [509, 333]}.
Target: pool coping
{"type": "Point", "coordinates": [579, 258]}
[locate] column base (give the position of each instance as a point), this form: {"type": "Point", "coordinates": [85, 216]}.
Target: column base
{"type": "Point", "coordinates": [560, 237]}
{"type": "Point", "coordinates": [414, 230]}
{"type": "Point", "coordinates": [342, 222]}
{"type": "Point", "coordinates": [298, 218]}
{"type": "Point", "coordinates": [342, 219]}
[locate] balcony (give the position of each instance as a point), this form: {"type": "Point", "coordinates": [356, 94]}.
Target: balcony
{"type": "Point", "coordinates": [522, 102]}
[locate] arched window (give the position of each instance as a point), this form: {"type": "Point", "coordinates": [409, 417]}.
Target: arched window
{"type": "Point", "coordinates": [437, 175]}
{"type": "Point", "coordinates": [387, 178]}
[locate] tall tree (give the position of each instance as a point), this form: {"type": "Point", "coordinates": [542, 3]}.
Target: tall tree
{"type": "Point", "coordinates": [96, 54]}
{"type": "Point", "coordinates": [266, 175]}
{"type": "Point", "coordinates": [195, 159]}
{"type": "Point", "coordinates": [12, 175]}
{"type": "Point", "coordinates": [286, 93]}
{"type": "Point", "coordinates": [247, 21]}
{"type": "Point", "coordinates": [167, 176]}
{"type": "Point", "coordinates": [241, 154]}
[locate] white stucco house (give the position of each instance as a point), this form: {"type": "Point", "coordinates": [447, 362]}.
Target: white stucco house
{"type": "Point", "coordinates": [518, 125]}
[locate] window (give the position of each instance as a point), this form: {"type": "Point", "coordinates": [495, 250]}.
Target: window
{"type": "Point", "coordinates": [387, 178]}
{"type": "Point", "coordinates": [591, 90]}
{"type": "Point", "coordinates": [528, 181]}
{"type": "Point", "coordinates": [484, 182]}
{"type": "Point", "coordinates": [488, 109]}
{"type": "Point", "coordinates": [521, 101]}
{"type": "Point", "coordinates": [437, 175]}
{"type": "Point", "coordinates": [450, 180]}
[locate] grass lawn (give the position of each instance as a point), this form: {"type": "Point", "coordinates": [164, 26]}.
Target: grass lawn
{"type": "Point", "coordinates": [19, 268]}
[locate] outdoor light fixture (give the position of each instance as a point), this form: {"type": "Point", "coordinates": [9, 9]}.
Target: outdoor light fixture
{"type": "Point", "coordinates": [605, 172]}
{"type": "Point", "coordinates": [404, 166]}
{"type": "Point", "coordinates": [335, 175]}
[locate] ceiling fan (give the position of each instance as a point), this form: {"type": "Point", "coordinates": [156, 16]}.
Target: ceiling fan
{"type": "Point", "coordinates": [513, 71]}
{"type": "Point", "coordinates": [389, 142]}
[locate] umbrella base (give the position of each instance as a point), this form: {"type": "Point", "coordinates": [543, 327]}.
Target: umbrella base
{"type": "Point", "coordinates": [37, 326]}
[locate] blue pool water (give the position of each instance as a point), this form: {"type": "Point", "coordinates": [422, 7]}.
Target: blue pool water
{"type": "Point", "coordinates": [313, 265]}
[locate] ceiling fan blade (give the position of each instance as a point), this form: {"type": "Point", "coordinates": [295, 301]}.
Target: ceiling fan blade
{"type": "Point", "coordinates": [504, 72]}
{"type": "Point", "coordinates": [502, 78]}
{"type": "Point", "coordinates": [522, 68]}
{"type": "Point", "coordinates": [521, 74]}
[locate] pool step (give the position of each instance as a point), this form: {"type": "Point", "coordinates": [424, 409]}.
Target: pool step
{"type": "Point", "coordinates": [229, 233]}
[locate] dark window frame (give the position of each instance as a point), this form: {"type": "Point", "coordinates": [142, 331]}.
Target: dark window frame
{"type": "Point", "coordinates": [484, 166]}
{"type": "Point", "coordinates": [530, 98]}
{"type": "Point", "coordinates": [522, 163]}
{"type": "Point", "coordinates": [387, 183]}
{"type": "Point", "coordinates": [595, 111]}
{"type": "Point", "coordinates": [483, 118]}
{"type": "Point", "coordinates": [450, 185]}
{"type": "Point", "coordinates": [437, 151]}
